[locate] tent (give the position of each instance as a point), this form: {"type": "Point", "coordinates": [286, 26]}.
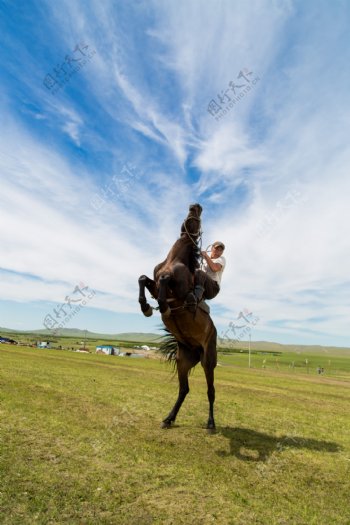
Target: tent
{"type": "Point", "coordinates": [107, 350]}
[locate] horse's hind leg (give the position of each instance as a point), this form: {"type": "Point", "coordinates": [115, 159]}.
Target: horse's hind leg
{"type": "Point", "coordinates": [209, 374]}
{"type": "Point", "coordinates": [183, 368]}
{"type": "Point", "coordinates": [209, 364]}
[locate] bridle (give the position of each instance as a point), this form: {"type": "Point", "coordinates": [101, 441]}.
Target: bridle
{"type": "Point", "coordinates": [197, 234]}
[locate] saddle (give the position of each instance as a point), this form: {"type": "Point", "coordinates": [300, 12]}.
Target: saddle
{"type": "Point", "coordinates": [204, 306]}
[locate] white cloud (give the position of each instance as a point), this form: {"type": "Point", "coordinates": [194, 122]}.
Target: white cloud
{"type": "Point", "coordinates": [287, 137]}
{"type": "Point", "coordinates": [72, 124]}
{"type": "Point", "coordinates": [224, 155]}
{"type": "Point", "coordinates": [51, 230]}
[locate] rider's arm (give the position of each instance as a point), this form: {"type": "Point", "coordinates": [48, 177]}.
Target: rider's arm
{"type": "Point", "coordinates": [215, 267]}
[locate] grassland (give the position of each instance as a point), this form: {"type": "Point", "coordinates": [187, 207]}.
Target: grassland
{"type": "Point", "coordinates": [292, 363]}
{"type": "Point", "coordinates": [81, 442]}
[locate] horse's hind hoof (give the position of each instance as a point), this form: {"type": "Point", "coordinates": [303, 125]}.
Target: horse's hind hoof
{"type": "Point", "coordinates": [165, 424]}
{"type": "Point", "coordinates": [211, 429]}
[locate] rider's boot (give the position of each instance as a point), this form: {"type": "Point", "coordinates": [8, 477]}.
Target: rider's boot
{"type": "Point", "coordinates": [198, 292]}
{"type": "Point", "coordinates": [191, 302]}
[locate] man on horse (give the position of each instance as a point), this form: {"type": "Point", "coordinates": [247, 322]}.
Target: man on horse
{"type": "Point", "coordinates": [192, 329]}
{"type": "Point", "coordinates": [207, 280]}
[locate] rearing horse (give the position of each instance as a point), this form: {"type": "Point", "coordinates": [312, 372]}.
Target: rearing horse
{"type": "Point", "coordinates": [191, 326]}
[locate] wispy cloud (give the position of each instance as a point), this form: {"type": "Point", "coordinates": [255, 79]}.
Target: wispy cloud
{"type": "Point", "coordinates": [143, 99]}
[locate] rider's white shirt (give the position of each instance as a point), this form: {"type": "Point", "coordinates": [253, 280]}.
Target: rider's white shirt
{"type": "Point", "coordinates": [216, 276]}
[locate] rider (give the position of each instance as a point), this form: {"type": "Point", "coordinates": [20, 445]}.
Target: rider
{"type": "Point", "coordinates": [207, 280]}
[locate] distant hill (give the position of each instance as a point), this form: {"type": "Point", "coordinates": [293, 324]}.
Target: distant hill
{"type": "Point", "coordinates": [3, 330]}
{"type": "Point", "coordinates": [81, 334]}
{"type": "Point", "coordinates": [267, 346]}
{"type": "Point", "coordinates": [147, 337]}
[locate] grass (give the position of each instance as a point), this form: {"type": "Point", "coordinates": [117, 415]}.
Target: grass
{"type": "Point", "coordinates": [81, 443]}
{"type": "Point", "coordinates": [334, 366]}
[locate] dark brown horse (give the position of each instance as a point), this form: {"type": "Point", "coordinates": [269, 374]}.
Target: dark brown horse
{"type": "Point", "coordinates": [191, 326]}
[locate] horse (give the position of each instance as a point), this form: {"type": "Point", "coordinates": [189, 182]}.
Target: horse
{"type": "Point", "coordinates": [191, 326]}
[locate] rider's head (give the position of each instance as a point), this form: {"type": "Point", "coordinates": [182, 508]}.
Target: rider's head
{"type": "Point", "coordinates": [217, 249]}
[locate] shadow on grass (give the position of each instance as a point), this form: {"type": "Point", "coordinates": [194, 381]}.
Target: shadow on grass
{"type": "Point", "coordinates": [249, 445]}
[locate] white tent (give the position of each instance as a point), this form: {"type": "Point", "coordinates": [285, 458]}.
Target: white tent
{"type": "Point", "coordinates": [107, 350]}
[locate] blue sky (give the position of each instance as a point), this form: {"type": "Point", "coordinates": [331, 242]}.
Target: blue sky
{"type": "Point", "coordinates": [106, 138]}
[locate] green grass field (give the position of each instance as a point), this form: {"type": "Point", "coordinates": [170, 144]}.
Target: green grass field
{"type": "Point", "coordinates": [333, 366]}
{"type": "Point", "coordinates": [81, 443]}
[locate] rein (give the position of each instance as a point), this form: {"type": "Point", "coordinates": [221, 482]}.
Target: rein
{"type": "Point", "coordinates": [198, 233]}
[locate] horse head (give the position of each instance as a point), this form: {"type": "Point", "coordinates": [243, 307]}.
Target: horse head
{"type": "Point", "coordinates": [191, 227]}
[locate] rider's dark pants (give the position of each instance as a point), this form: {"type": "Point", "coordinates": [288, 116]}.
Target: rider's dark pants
{"type": "Point", "coordinates": [211, 287]}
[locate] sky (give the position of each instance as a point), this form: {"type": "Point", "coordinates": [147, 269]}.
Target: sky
{"type": "Point", "coordinates": [115, 116]}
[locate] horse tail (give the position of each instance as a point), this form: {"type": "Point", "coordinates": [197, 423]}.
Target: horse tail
{"type": "Point", "coordinates": [168, 347]}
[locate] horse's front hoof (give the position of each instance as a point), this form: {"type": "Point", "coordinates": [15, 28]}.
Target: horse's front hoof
{"type": "Point", "coordinates": [166, 424]}
{"type": "Point", "coordinates": [147, 310]}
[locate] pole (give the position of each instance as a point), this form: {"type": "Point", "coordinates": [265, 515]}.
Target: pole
{"type": "Point", "coordinates": [249, 349]}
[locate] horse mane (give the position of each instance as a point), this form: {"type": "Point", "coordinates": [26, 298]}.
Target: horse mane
{"type": "Point", "coordinates": [194, 254]}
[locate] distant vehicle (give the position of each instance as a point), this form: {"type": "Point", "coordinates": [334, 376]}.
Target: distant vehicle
{"type": "Point", "coordinates": [43, 344]}
{"type": "Point", "coordinates": [7, 340]}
